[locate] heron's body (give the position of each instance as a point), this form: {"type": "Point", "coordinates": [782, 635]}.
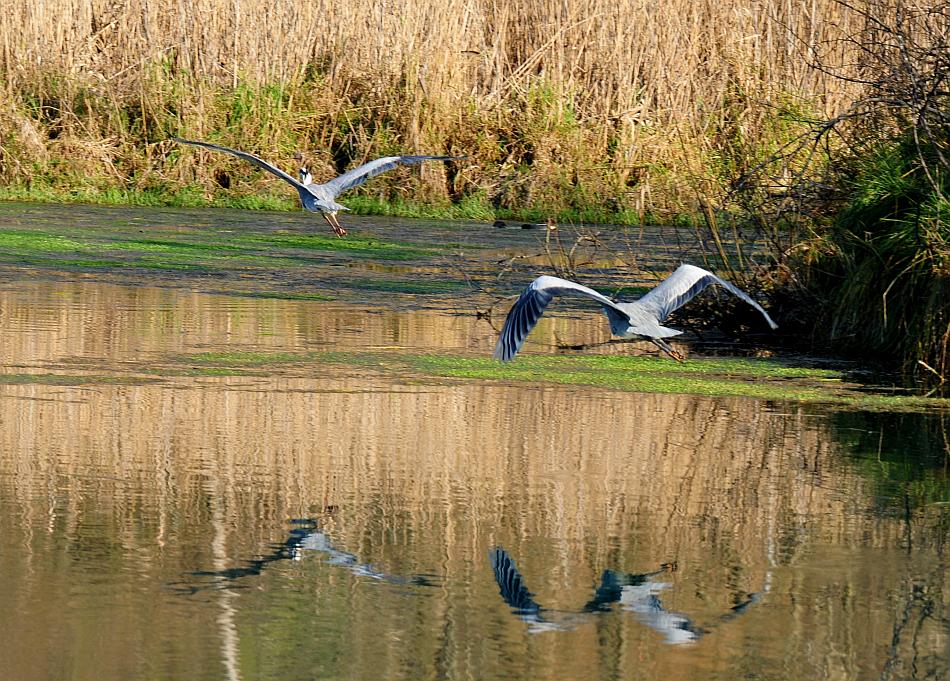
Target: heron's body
{"type": "Point", "coordinates": [641, 319]}
{"type": "Point", "coordinates": [321, 198]}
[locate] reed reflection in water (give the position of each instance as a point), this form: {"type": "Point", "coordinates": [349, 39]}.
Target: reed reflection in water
{"type": "Point", "coordinates": [115, 496]}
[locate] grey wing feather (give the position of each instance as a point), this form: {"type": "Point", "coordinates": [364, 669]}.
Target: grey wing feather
{"type": "Point", "coordinates": [251, 158]}
{"type": "Point", "coordinates": [687, 282]}
{"type": "Point", "coordinates": [357, 176]}
{"type": "Point", "coordinates": [527, 310]}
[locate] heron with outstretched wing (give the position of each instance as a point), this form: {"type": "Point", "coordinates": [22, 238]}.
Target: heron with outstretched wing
{"type": "Point", "coordinates": [640, 319]}
{"type": "Point", "coordinates": [321, 198]}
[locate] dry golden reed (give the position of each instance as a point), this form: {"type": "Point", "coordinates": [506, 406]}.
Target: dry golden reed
{"type": "Point", "coordinates": [604, 103]}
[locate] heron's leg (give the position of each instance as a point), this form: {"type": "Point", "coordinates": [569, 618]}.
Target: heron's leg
{"type": "Point", "coordinates": [337, 227]}
{"type": "Point", "coordinates": [334, 223]}
{"type": "Point", "coordinates": [668, 349]}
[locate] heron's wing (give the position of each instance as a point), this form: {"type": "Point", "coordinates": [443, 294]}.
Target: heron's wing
{"type": "Point", "coordinates": [260, 163]}
{"type": "Point", "coordinates": [643, 601]}
{"type": "Point", "coordinates": [524, 314]}
{"type": "Point", "coordinates": [687, 282]}
{"type": "Point", "coordinates": [357, 176]}
{"type": "Point", "coordinates": [511, 583]}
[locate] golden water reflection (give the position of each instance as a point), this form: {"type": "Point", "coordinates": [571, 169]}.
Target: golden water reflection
{"type": "Point", "coordinates": [112, 497]}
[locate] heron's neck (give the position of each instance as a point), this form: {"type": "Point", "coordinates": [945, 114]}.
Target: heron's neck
{"type": "Point", "coordinates": [305, 176]}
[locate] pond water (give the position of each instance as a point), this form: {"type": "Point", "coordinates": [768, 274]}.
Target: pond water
{"type": "Point", "coordinates": [323, 521]}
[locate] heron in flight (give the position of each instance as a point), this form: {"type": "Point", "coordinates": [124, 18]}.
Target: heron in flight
{"type": "Point", "coordinates": [321, 198]}
{"type": "Point", "coordinates": [640, 319]}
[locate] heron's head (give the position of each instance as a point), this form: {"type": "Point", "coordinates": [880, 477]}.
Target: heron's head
{"type": "Point", "coordinates": [305, 176]}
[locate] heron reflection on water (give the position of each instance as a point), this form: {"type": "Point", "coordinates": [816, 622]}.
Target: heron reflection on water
{"type": "Point", "coordinates": [640, 319]}
{"type": "Point", "coordinates": [305, 537]}
{"type": "Point", "coordinates": [635, 592]}
{"type": "Point", "coordinates": [321, 198]}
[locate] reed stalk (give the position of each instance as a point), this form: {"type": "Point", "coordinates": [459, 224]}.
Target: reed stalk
{"type": "Point", "coordinates": [599, 107]}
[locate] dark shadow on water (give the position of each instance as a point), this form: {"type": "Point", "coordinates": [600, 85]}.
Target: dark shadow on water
{"type": "Point", "coordinates": [635, 592]}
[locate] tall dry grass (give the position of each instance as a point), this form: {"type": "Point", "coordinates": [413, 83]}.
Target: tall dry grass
{"type": "Point", "coordinates": [619, 104]}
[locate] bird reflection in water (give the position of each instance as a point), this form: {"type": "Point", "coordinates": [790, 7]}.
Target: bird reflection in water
{"type": "Point", "coordinates": [635, 592]}
{"type": "Point", "coordinates": [304, 538]}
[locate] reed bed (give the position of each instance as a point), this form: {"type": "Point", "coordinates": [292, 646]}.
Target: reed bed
{"type": "Point", "coordinates": [626, 108]}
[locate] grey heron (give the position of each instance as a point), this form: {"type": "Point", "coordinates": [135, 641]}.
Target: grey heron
{"type": "Point", "coordinates": [639, 319]}
{"type": "Point", "coordinates": [321, 198]}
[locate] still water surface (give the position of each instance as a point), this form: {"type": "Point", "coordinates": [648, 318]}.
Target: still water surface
{"type": "Point", "coordinates": [331, 524]}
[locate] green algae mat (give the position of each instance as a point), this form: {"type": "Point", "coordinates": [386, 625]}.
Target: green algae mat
{"type": "Point", "coordinates": [764, 379]}
{"type": "Point", "coordinates": [266, 255]}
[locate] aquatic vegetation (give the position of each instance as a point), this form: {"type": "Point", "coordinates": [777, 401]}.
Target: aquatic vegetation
{"type": "Point", "coordinates": [219, 248]}
{"type": "Point", "coordinates": [377, 248]}
{"type": "Point", "coordinates": [642, 374]}
{"type": "Point", "coordinates": [251, 359]}
{"type": "Point", "coordinates": [288, 295]}
{"type": "Point", "coordinates": [422, 286]}
{"type": "Point", "coordinates": [764, 379]}
{"type": "Point", "coordinates": [23, 241]}
{"type": "Point", "coordinates": [198, 251]}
